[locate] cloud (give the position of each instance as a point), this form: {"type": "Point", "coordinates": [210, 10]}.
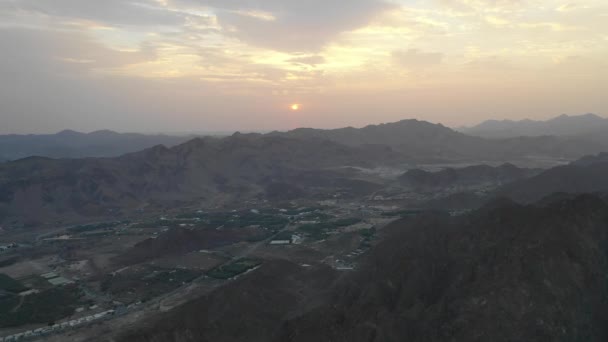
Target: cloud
{"type": "Point", "coordinates": [170, 64]}
{"type": "Point", "coordinates": [482, 5]}
{"type": "Point", "coordinates": [113, 12]}
{"type": "Point", "coordinates": [308, 60]}
{"type": "Point", "coordinates": [291, 25]}
{"type": "Point", "coordinates": [414, 58]}
{"type": "Point", "coordinates": [27, 51]}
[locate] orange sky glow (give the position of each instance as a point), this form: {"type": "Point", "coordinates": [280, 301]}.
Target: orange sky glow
{"type": "Point", "coordinates": [196, 65]}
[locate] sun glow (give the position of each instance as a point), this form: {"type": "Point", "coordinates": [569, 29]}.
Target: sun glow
{"type": "Point", "coordinates": [295, 107]}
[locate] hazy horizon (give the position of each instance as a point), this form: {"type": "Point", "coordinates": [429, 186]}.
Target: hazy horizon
{"type": "Point", "coordinates": [222, 66]}
{"type": "Point", "coordinates": [230, 132]}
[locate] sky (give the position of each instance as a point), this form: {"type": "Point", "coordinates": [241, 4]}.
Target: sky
{"type": "Point", "coordinates": [225, 65]}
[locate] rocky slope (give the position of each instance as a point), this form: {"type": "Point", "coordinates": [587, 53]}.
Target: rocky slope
{"type": "Point", "coordinates": [199, 170]}
{"type": "Point", "coordinates": [587, 175]}
{"type": "Point", "coordinates": [504, 273]}
{"type": "Point", "coordinates": [467, 176]}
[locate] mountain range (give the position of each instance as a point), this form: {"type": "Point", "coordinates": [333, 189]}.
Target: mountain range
{"type": "Point", "coordinates": [525, 186]}
{"type": "Point", "coordinates": [72, 144]}
{"type": "Point", "coordinates": [589, 126]}
{"type": "Point", "coordinates": [201, 170]}
{"type": "Point", "coordinates": [224, 169]}
{"type": "Point", "coordinates": [426, 141]}
{"type": "Point", "coordinates": [415, 139]}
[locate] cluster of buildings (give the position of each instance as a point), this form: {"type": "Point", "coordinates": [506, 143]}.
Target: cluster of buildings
{"type": "Point", "coordinates": [30, 334]}
{"type": "Point", "coordinates": [293, 240]}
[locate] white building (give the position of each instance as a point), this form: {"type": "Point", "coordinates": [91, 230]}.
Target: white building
{"type": "Point", "coordinates": [296, 239]}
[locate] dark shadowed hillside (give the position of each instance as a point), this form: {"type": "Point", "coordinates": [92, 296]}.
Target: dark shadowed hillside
{"type": "Point", "coordinates": [250, 309]}
{"type": "Point", "coordinates": [503, 273]}
{"type": "Point", "coordinates": [471, 175]}
{"type": "Point", "coordinates": [587, 175]}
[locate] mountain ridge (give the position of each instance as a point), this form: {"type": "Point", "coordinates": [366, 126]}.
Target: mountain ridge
{"type": "Point", "coordinates": [243, 165]}
{"type": "Point", "coordinates": [563, 125]}
{"type": "Point", "coordinates": [73, 144]}
{"type": "Point", "coordinates": [421, 139]}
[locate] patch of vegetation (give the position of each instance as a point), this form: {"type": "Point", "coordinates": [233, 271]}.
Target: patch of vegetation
{"type": "Point", "coordinates": [6, 194]}
{"type": "Point", "coordinates": [36, 282]}
{"type": "Point", "coordinates": [8, 261]}
{"type": "Point", "coordinates": [11, 285]}
{"type": "Point", "coordinates": [8, 303]}
{"type": "Point", "coordinates": [315, 216]}
{"type": "Point", "coordinates": [147, 284]}
{"type": "Point", "coordinates": [176, 276]}
{"type": "Point", "coordinates": [232, 219]}
{"type": "Point", "coordinates": [320, 231]}
{"type": "Point", "coordinates": [403, 213]}
{"type": "Point", "coordinates": [368, 233]}
{"type": "Point", "coordinates": [233, 269]}
{"type": "Point", "coordinates": [155, 224]}
{"type": "Point", "coordinates": [346, 222]}
{"type": "Point", "coordinates": [95, 226]}
{"type": "Point", "coordinates": [44, 307]}
{"type": "Point", "coordinates": [97, 234]}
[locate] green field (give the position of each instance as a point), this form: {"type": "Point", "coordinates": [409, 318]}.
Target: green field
{"type": "Point", "coordinates": [95, 226]}
{"type": "Point", "coordinates": [8, 261]}
{"type": "Point", "coordinates": [368, 233]}
{"type": "Point", "coordinates": [403, 213]}
{"type": "Point", "coordinates": [227, 219]}
{"type": "Point", "coordinates": [319, 231]}
{"type": "Point", "coordinates": [146, 284]}
{"type": "Point", "coordinates": [45, 307]}
{"type": "Point", "coordinates": [10, 285]}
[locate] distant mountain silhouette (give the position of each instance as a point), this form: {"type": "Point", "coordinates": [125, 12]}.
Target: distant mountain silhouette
{"type": "Point", "coordinates": [419, 140]}
{"type": "Point", "coordinates": [423, 140]}
{"type": "Point", "coordinates": [72, 144]}
{"type": "Point", "coordinates": [563, 125]}
{"type": "Point", "coordinates": [587, 175]}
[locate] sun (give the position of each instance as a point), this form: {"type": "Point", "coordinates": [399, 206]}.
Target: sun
{"type": "Point", "coordinates": [295, 107]}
